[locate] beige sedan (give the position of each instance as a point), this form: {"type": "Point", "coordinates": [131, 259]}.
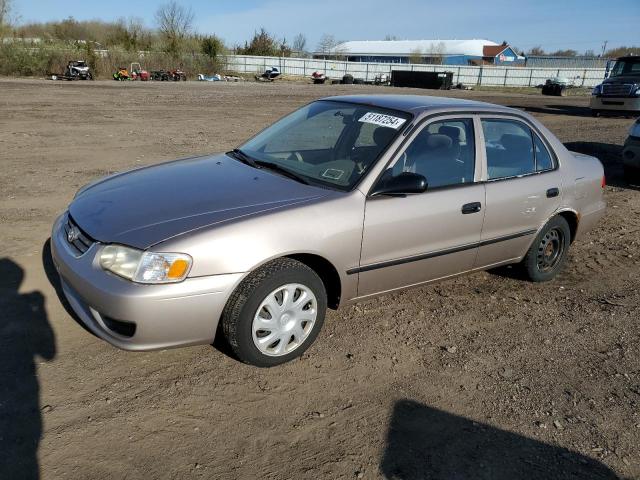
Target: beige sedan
{"type": "Point", "coordinates": [346, 198]}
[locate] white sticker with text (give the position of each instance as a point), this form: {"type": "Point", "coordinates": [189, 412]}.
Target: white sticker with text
{"type": "Point", "coordinates": [382, 120]}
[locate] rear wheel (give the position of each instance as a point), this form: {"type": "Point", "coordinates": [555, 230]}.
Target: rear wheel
{"type": "Point", "coordinates": [275, 314]}
{"type": "Point", "coordinates": [548, 253]}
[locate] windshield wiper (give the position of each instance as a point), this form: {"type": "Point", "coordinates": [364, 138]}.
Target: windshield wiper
{"type": "Point", "coordinates": [285, 171]}
{"type": "Point", "coordinates": [243, 157]}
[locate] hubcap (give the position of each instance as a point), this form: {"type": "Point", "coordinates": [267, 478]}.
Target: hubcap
{"type": "Point", "coordinates": [284, 319]}
{"type": "Point", "coordinates": [550, 250]}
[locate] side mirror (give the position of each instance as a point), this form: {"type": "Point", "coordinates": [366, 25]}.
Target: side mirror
{"type": "Point", "coordinates": [403, 184]}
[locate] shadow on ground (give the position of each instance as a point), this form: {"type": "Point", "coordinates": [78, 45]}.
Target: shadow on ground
{"type": "Point", "coordinates": [25, 335]}
{"type": "Point", "coordinates": [611, 157]}
{"type": "Point", "coordinates": [570, 110]}
{"type": "Point", "coordinates": [427, 443]}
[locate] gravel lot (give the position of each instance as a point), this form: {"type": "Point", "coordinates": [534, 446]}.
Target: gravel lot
{"type": "Point", "coordinates": [484, 376]}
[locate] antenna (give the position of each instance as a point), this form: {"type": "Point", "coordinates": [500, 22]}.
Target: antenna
{"type": "Point", "coordinates": [604, 47]}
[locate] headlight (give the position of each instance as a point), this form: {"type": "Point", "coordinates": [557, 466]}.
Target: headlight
{"type": "Point", "coordinates": [634, 131]}
{"type": "Point", "coordinates": [637, 92]}
{"type": "Point", "coordinates": [145, 267]}
{"type": "Point", "coordinates": [597, 90]}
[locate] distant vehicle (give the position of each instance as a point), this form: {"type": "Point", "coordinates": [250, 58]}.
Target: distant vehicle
{"type": "Point", "coordinates": [122, 75]}
{"type": "Point", "coordinates": [631, 154]}
{"type": "Point", "coordinates": [138, 73]}
{"type": "Point", "coordinates": [209, 78]}
{"type": "Point", "coordinates": [269, 75]}
{"type": "Point", "coordinates": [78, 70]}
{"type": "Point", "coordinates": [620, 92]}
{"type": "Point", "coordinates": [262, 239]}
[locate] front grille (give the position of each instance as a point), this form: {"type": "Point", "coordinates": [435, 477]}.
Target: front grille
{"type": "Point", "coordinates": [77, 240]}
{"type": "Point", "coordinates": [617, 89]}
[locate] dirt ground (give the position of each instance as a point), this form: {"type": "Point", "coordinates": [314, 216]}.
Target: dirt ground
{"type": "Point", "coordinates": [485, 376]}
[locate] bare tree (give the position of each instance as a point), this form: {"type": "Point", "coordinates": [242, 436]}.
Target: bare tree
{"type": "Point", "coordinates": [6, 6]}
{"type": "Point", "coordinates": [389, 38]}
{"type": "Point", "coordinates": [299, 43]}
{"type": "Point", "coordinates": [326, 44]}
{"type": "Point", "coordinates": [536, 51]}
{"type": "Point", "coordinates": [174, 22]}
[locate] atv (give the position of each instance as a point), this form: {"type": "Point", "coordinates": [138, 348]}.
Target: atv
{"type": "Point", "coordinates": [78, 70]}
{"type": "Point", "coordinates": [122, 75]}
{"type": "Point", "coordinates": [177, 75]}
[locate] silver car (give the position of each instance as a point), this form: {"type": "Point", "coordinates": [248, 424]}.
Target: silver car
{"type": "Point", "coordinates": [347, 198]}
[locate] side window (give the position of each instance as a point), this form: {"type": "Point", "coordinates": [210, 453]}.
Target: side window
{"type": "Point", "coordinates": [509, 147]}
{"type": "Point", "coordinates": [443, 152]}
{"type": "Point", "coordinates": [543, 157]}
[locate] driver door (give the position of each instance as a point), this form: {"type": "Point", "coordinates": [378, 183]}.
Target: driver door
{"type": "Point", "coordinates": [412, 239]}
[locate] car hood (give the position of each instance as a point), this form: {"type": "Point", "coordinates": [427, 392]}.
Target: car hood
{"type": "Point", "coordinates": [149, 205]}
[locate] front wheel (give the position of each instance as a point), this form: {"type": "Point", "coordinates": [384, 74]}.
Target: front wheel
{"type": "Point", "coordinates": [548, 253]}
{"type": "Point", "coordinates": [275, 314]}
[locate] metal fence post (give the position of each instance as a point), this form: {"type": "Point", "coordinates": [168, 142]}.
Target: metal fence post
{"type": "Point", "coordinates": [506, 72]}
{"type": "Point", "coordinates": [530, 75]}
{"type": "Point", "coordinates": [584, 74]}
{"type": "Point", "coordinates": [480, 77]}
{"type": "Point", "coordinates": [458, 78]}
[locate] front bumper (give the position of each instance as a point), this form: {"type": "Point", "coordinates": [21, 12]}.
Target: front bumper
{"type": "Point", "coordinates": [622, 104]}
{"type": "Point", "coordinates": [169, 315]}
{"type": "Point", "coordinates": [631, 153]}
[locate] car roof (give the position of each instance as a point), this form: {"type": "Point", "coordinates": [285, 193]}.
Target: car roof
{"type": "Point", "coordinates": [418, 103]}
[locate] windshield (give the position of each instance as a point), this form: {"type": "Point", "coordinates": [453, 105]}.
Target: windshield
{"type": "Point", "coordinates": [327, 143]}
{"type": "Point", "coordinates": [626, 67]}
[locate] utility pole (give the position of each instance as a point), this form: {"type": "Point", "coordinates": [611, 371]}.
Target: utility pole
{"type": "Point", "coordinates": [604, 47]}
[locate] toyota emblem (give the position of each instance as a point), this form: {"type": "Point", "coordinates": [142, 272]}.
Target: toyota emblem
{"type": "Point", "coordinates": [73, 234]}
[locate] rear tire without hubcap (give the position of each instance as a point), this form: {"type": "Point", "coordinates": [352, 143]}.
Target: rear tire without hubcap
{"type": "Point", "coordinates": [275, 314]}
{"type": "Point", "coordinates": [548, 252]}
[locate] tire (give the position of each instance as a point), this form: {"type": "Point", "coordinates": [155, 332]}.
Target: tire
{"type": "Point", "coordinates": [246, 311]}
{"type": "Point", "coordinates": [631, 175]}
{"type": "Point", "coordinates": [548, 252]}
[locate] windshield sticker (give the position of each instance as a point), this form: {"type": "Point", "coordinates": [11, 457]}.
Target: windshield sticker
{"type": "Point", "coordinates": [333, 173]}
{"type": "Point", "coordinates": [382, 120]}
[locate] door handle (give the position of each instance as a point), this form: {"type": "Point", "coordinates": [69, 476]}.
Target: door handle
{"type": "Point", "coordinates": [473, 207]}
{"type": "Point", "coordinates": [553, 192]}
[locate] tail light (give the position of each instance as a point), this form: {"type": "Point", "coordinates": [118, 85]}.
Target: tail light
{"type": "Point", "coordinates": [603, 183]}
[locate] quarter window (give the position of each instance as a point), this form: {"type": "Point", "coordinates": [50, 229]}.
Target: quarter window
{"type": "Point", "coordinates": [543, 157]}
{"type": "Point", "coordinates": [443, 152]}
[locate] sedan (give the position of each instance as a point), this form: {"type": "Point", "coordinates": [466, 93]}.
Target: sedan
{"type": "Point", "coordinates": [344, 199]}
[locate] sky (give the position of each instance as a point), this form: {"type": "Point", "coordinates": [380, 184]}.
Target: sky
{"type": "Point", "coordinates": [553, 24]}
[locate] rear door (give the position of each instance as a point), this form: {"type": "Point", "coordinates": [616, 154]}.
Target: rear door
{"type": "Point", "coordinates": [523, 188]}
{"type": "Point", "coordinates": [416, 238]}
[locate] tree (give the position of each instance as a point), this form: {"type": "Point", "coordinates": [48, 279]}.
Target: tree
{"type": "Point", "coordinates": [174, 23]}
{"type": "Point", "coordinates": [389, 38]}
{"type": "Point", "coordinates": [6, 6]}
{"type": "Point", "coordinates": [415, 56]}
{"type": "Point", "coordinates": [564, 53]}
{"type": "Point", "coordinates": [326, 44]}
{"type": "Point", "coordinates": [536, 52]}
{"type": "Point", "coordinates": [622, 51]}
{"type": "Point", "coordinates": [211, 46]}
{"type": "Point", "coordinates": [590, 53]}
{"type": "Point", "coordinates": [299, 43]}
{"type": "Point", "coordinates": [262, 44]}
